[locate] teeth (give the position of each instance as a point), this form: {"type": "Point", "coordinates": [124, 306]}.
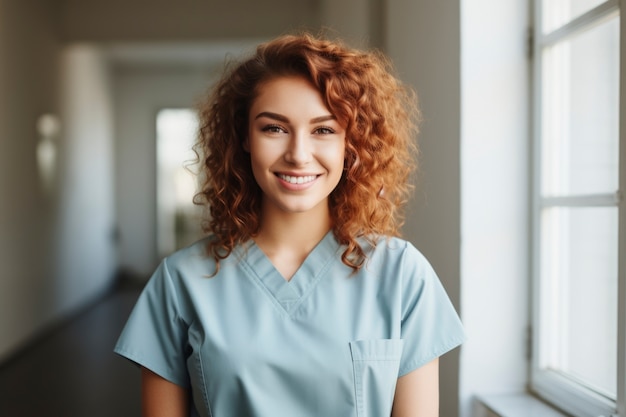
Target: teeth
{"type": "Point", "coordinates": [297, 180]}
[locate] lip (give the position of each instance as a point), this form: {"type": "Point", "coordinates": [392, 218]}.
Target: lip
{"type": "Point", "coordinates": [296, 181]}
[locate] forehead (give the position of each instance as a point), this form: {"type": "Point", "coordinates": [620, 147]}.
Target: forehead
{"type": "Point", "coordinates": [288, 94]}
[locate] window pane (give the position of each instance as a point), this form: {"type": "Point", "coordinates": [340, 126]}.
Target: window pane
{"type": "Point", "coordinates": [579, 304]}
{"type": "Point", "coordinates": [557, 13]}
{"type": "Point", "coordinates": [580, 113]}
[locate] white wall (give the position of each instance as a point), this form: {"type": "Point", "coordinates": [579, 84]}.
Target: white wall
{"type": "Point", "coordinates": [139, 94]}
{"type": "Point", "coordinates": [51, 261]}
{"type": "Point", "coordinates": [494, 199]}
{"type": "Point", "coordinates": [423, 40]}
{"type": "Point", "coordinates": [85, 246]}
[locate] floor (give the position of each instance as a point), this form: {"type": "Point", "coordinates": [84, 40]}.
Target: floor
{"type": "Point", "coordinates": [72, 372]}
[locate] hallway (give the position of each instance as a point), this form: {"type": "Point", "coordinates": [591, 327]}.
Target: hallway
{"type": "Point", "coordinates": [72, 371]}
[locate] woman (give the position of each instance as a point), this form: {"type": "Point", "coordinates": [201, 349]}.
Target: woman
{"type": "Point", "coordinates": [302, 301]}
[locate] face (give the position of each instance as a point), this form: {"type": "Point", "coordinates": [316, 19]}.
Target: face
{"type": "Point", "coordinates": [296, 146]}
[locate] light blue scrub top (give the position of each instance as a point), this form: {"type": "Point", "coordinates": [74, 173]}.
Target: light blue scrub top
{"type": "Point", "coordinates": [326, 343]}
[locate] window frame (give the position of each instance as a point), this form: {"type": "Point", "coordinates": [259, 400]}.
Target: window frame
{"type": "Point", "coordinates": [549, 385]}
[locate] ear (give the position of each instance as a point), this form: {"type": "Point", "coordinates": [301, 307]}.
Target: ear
{"type": "Point", "coordinates": [246, 144]}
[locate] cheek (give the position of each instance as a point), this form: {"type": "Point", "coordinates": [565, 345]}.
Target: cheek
{"type": "Point", "coordinates": [340, 155]}
{"type": "Point", "coordinates": [262, 159]}
{"type": "Point", "coordinates": [257, 163]}
{"type": "Point", "coordinates": [334, 161]}
{"type": "Point", "coordinates": [262, 155]}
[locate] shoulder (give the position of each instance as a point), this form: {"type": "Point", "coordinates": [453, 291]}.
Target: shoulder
{"type": "Point", "coordinates": [395, 251]}
{"type": "Point", "coordinates": [190, 262]}
{"type": "Point", "coordinates": [399, 264]}
{"type": "Point", "coordinates": [184, 274]}
{"type": "Point", "coordinates": [197, 251]}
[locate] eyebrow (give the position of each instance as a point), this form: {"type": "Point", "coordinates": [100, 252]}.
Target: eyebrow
{"type": "Point", "coordinates": [284, 119]}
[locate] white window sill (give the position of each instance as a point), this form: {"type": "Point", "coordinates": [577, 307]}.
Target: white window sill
{"type": "Point", "coordinates": [514, 405]}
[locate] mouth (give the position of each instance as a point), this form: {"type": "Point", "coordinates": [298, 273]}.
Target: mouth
{"type": "Point", "coordinates": [297, 179]}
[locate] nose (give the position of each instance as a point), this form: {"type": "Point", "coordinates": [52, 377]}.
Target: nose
{"type": "Point", "coordinates": [299, 150]}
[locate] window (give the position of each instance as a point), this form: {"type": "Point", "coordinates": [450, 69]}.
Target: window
{"type": "Point", "coordinates": [577, 207]}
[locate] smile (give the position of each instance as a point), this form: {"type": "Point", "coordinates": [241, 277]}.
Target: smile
{"type": "Point", "coordinates": [297, 180]}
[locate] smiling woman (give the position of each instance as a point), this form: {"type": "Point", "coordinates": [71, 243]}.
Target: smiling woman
{"type": "Point", "coordinates": [303, 300]}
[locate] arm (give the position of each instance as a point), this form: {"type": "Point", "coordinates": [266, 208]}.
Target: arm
{"type": "Point", "coordinates": [161, 398]}
{"type": "Point", "coordinates": [417, 393]}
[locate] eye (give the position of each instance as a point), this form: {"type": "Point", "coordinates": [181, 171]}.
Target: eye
{"type": "Point", "coordinates": [323, 130]}
{"type": "Point", "coordinates": [273, 129]}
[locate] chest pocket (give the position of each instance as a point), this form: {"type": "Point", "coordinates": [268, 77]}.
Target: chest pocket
{"type": "Point", "coordinates": [375, 364]}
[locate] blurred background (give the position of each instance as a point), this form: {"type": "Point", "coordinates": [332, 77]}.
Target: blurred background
{"type": "Point", "coordinates": [96, 122]}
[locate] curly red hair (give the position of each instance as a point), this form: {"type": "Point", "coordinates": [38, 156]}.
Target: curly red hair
{"type": "Point", "coordinates": [360, 90]}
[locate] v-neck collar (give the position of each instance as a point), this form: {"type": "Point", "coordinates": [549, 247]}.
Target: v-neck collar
{"type": "Point", "coordinates": [288, 294]}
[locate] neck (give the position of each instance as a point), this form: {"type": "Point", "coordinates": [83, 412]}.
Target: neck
{"type": "Point", "coordinates": [297, 232]}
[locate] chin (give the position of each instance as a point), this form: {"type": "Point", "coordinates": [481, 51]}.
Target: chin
{"type": "Point", "coordinates": [302, 207]}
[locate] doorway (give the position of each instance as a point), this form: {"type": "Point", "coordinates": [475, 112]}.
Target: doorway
{"type": "Point", "coordinates": [178, 219]}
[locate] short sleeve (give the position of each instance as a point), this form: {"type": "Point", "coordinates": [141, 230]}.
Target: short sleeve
{"type": "Point", "coordinates": [430, 324]}
{"type": "Point", "coordinates": [155, 334]}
